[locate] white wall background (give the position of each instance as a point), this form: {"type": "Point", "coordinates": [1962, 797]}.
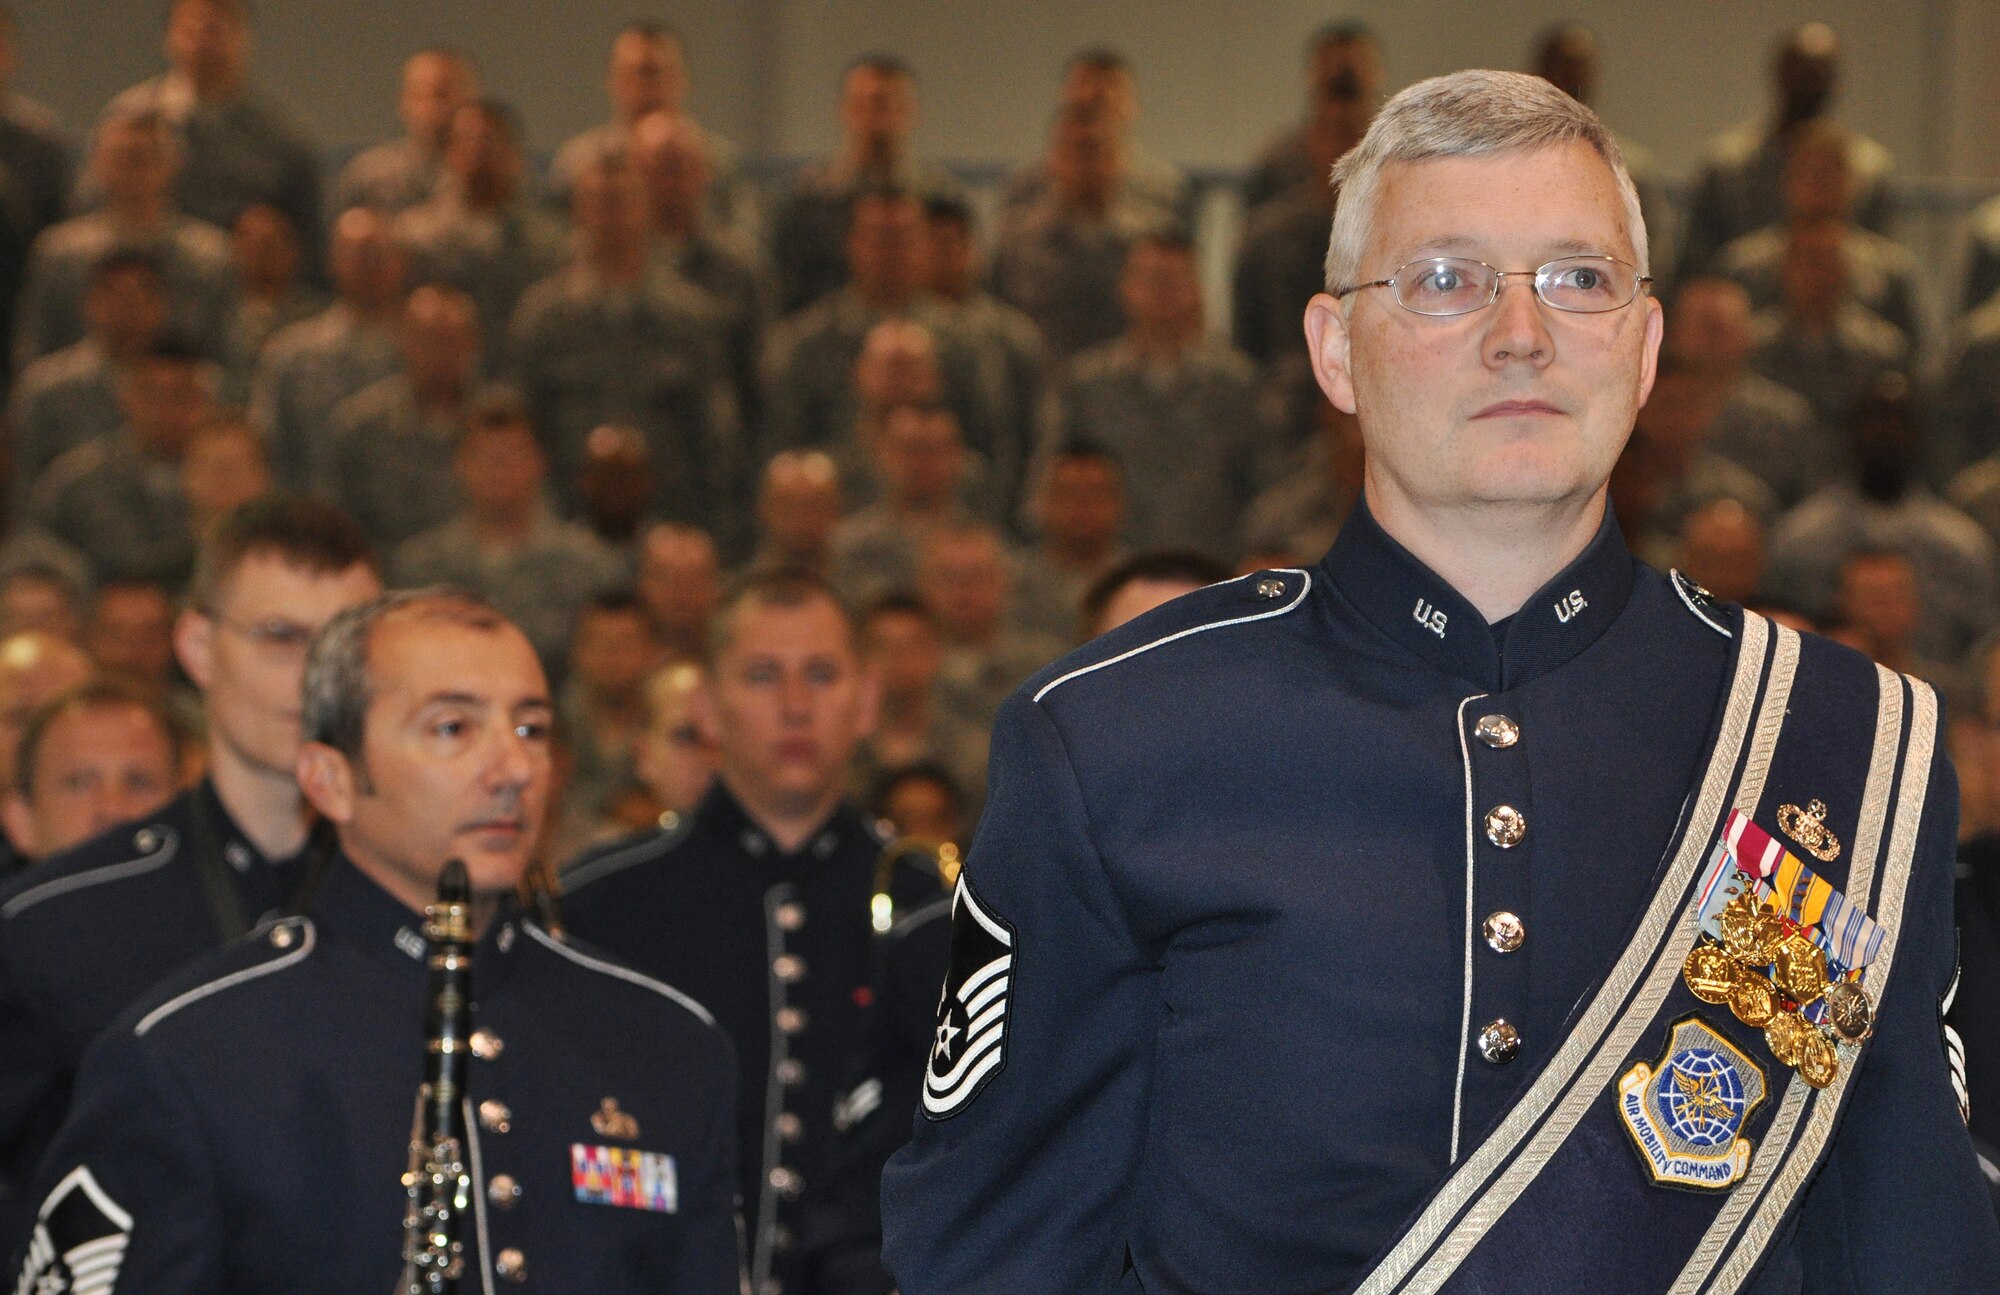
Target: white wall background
{"type": "Point", "coordinates": [1216, 77]}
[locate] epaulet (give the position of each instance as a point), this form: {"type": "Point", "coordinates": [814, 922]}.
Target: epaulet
{"type": "Point", "coordinates": [152, 846]}
{"type": "Point", "coordinates": [620, 855]}
{"type": "Point", "coordinates": [1259, 596]}
{"type": "Point", "coordinates": [561, 946]}
{"type": "Point", "coordinates": [1705, 605]}
{"type": "Point", "coordinates": [283, 943]}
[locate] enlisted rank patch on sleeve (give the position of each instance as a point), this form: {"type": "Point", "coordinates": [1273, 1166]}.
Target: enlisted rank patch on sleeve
{"type": "Point", "coordinates": [622, 1176]}
{"type": "Point", "coordinates": [79, 1241]}
{"type": "Point", "coordinates": [971, 1039]}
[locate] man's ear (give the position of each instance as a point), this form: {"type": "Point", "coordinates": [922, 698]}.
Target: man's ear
{"type": "Point", "coordinates": [194, 644]}
{"type": "Point", "coordinates": [327, 779]}
{"type": "Point", "coordinates": [20, 824]}
{"type": "Point", "coordinates": [1327, 344]}
{"type": "Point", "coordinates": [702, 710]}
{"type": "Point", "coordinates": [869, 710]}
{"type": "Point", "coordinates": [1649, 362]}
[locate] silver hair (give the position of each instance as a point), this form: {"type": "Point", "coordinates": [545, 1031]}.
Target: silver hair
{"type": "Point", "coordinates": [1473, 113]}
{"type": "Point", "coordinates": [338, 686]}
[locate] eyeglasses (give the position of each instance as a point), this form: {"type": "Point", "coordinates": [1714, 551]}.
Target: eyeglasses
{"type": "Point", "coordinates": [1456, 285]}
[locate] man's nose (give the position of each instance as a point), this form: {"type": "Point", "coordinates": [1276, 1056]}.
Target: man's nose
{"type": "Point", "coordinates": [1517, 327]}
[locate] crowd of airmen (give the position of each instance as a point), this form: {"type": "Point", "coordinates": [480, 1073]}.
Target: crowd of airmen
{"type": "Point", "coordinates": [930, 439]}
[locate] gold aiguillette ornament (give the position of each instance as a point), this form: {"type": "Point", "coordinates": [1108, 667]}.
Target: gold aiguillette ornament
{"type": "Point", "coordinates": [1850, 1013]}
{"type": "Point", "coordinates": [1754, 1000]}
{"type": "Point", "coordinates": [1808, 827]}
{"type": "Point", "coordinates": [1711, 973]}
{"type": "Point", "coordinates": [1799, 968]}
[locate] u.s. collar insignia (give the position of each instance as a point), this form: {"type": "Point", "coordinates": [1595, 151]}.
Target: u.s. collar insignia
{"type": "Point", "coordinates": [610, 1122]}
{"type": "Point", "coordinates": [1686, 1114]}
{"type": "Point", "coordinates": [1808, 827]}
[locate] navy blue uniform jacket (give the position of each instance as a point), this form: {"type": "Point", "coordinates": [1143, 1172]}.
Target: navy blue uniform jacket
{"type": "Point", "coordinates": [245, 1127]}
{"type": "Point", "coordinates": [88, 930]}
{"type": "Point", "coordinates": [1242, 854]}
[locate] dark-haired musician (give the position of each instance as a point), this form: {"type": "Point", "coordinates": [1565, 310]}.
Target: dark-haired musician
{"type": "Point", "coordinates": [246, 1126]}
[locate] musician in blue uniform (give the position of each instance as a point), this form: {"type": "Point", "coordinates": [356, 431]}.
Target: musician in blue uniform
{"type": "Point", "coordinates": [91, 928]}
{"type": "Point", "coordinates": [762, 904]}
{"type": "Point", "coordinates": [1475, 909]}
{"type": "Point", "coordinates": [246, 1126]}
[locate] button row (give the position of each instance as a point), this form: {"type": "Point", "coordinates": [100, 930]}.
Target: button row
{"type": "Point", "coordinates": [1499, 1041]}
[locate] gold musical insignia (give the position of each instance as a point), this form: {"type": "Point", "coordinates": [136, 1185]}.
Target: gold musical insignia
{"type": "Point", "coordinates": [1808, 827]}
{"type": "Point", "coordinates": [610, 1122]}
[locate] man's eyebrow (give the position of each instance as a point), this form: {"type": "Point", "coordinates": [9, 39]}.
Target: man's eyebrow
{"type": "Point", "coordinates": [455, 699]}
{"type": "Point", "coordinates": [1454, 244]}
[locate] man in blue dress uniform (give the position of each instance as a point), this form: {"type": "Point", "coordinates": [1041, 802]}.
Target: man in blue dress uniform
{"type": "Point", "coordinates": [770, 904]}
{"type": "Point", "coordinates": [91, 928]}
{"type": "Point", "coordinates": [246, 1126]}
{"type": "Point", "coordinates": [1437, 917]}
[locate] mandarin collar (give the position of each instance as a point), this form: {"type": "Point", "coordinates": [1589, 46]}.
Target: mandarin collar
{"type": "Point", "coordinates": [1425, 616]}
{"type": "Point", "coordinates": [356, 909]}
{"type": "Point", "coordinates": [721, 813]}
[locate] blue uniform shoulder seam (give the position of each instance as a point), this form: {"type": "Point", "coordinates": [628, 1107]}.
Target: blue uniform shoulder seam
{"type": "Point", "coordinates": [564, 949]}
{"type": "Point", "coordinates": [939, 907]}
{"type": "Point", "coordinates": [100, 875]}
{"type": "Point", "coordinates": [1305, 587]}
{"type": "Point", "coordinates": [618, 858]}
{"type": "Point", "coordinates": [308, 938]}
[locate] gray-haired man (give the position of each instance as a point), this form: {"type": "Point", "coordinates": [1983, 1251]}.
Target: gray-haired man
{"type": "Point", "coordinates": [1361, 926]}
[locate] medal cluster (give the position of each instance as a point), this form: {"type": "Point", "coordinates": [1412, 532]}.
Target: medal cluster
{"type": "Point", "coordinates": [1773, 976]}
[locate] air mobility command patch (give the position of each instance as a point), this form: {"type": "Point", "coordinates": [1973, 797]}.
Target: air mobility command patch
{"type": "Point", "coordinates": [1686, 1113]}
{"type": "Point", "coordinates": [970, 1045]}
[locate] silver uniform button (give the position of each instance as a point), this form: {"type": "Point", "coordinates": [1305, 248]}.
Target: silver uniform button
{"type": "Point", "coordinates": [486, 1045]}
{"type": "Point", "coordinates": [146, 840]}
{"type": "Point", "coordinates": [503, 1191]}
{"type": "Point", "coordinates": [1504, 932]}
{"type": "Point", "coordinates": [788, 967]}
{"type": "Point", "coordinates": [494, 1116]}
{"type": "Point", "coordinates": [283, 936]}
{"type": "Point", "coordinates": [1505, 826]}
{"type": "Point", "coordinates": [1499, 1042]}
{"type": "Point", "coordinates": [791, 1072]}
{"type": "Point", "coordinates": [789, 1127]}
{"type": "Point", "coordinates": [791, 1019]}
{"type": "Point", "coordinates": [511, 1264]}
{"type": "Point", "coordinates": [1268, 589]}
{"type": "Point", "coordinates": [790, 915]}
{"type": "Point", "coordinates": [1497, 731]}
{"type": "Point", "coordinates": [787, 1182]}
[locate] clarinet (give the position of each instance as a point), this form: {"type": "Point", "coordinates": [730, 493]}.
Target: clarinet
{"type": "Point", "coordinates": [438, 1181]}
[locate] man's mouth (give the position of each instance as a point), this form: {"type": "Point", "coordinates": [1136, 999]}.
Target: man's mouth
{"type": "Point", "coordinates": [1517, 409]}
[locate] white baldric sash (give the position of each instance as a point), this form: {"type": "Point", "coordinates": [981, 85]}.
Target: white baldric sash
{"type": "Point", "coordinates": [1469, 1235]}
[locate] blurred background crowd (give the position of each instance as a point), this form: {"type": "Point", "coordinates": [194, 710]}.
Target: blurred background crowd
{"type": "Point", "coordinates": [1000, 411]}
